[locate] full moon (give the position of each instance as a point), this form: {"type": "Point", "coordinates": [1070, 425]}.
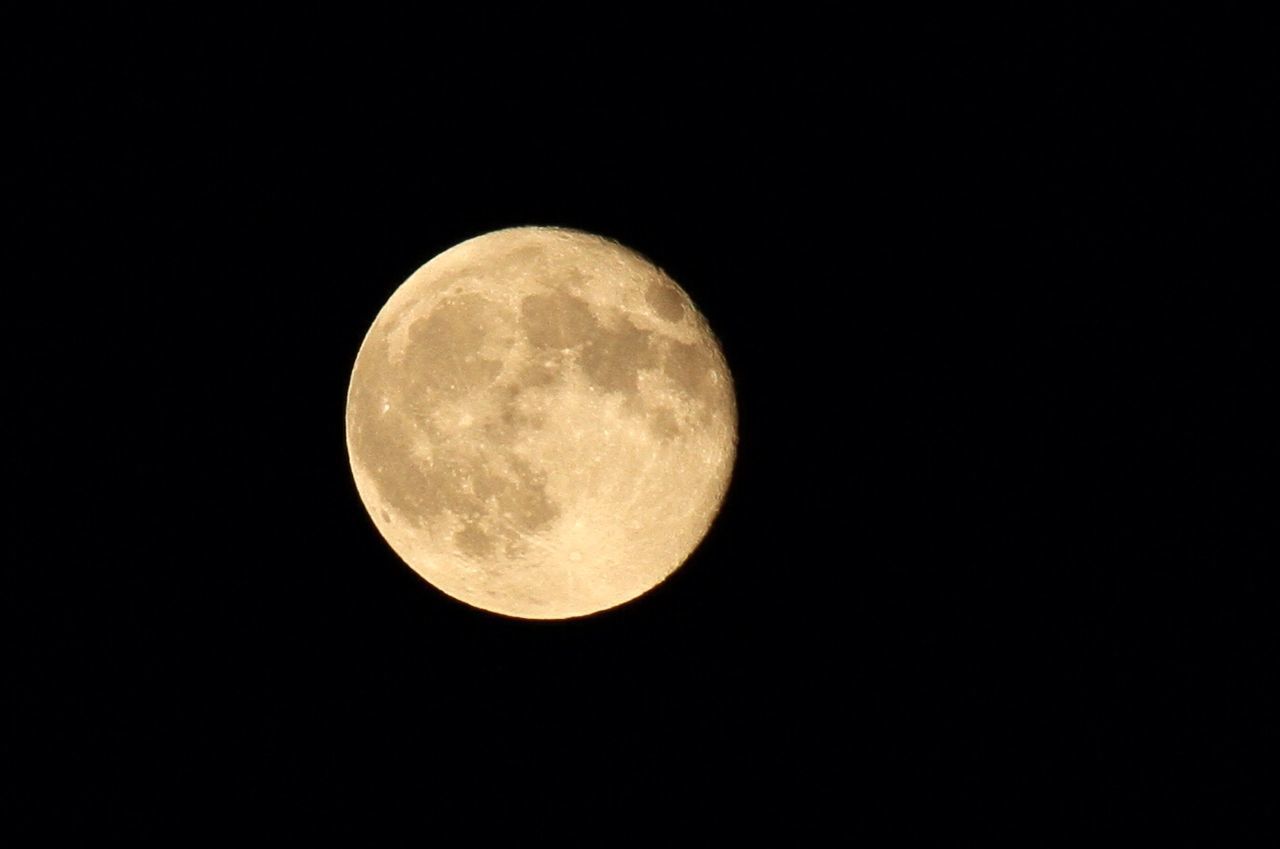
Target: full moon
{"type": "Point", "coordinates": [541, 424]}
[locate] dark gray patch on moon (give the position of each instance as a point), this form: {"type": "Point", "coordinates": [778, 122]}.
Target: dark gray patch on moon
{"type": "Point", "coordinates": [524, 256]}
{"type": "Point", "coordinates": [613, 359]}
{"type": "Point", "coordinates": [443, 354]}
{"type": "Point", "coordinates": [473, 542]}
{"type": "Point", "coordinates": [665, 301]}
{"type": "Point", "coordinates": [663, 424]}
{"type": "Point", "coordinates": [690, 366]}
{"type": "Point", "coordinates": [557, 320]}
{"type": "Point", "coordinates": [548, 369]}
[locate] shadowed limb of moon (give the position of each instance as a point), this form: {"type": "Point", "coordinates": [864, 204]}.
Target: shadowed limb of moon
{"type": "Point", "coordinates": [541, 424]}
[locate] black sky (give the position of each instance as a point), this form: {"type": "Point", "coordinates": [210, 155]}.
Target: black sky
{"type": "Point", "coordinates": [999, 550]}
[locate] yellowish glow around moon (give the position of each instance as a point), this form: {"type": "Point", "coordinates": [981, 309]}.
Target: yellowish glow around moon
{"type": "Point", "coordinates": [541, 424]}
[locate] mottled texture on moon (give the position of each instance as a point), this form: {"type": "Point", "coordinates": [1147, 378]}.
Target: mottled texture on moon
{"type": "Point", "coordinates": [541, 424]}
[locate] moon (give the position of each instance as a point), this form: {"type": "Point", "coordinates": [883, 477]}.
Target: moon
{"type": "Point", "coordinates": [541, 424]}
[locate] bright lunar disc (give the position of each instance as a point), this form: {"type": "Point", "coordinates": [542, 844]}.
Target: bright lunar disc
{"type": "Point", "coordinates": [541, 424]}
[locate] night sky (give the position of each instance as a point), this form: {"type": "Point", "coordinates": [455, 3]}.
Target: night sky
{"type": "Point", "coordinates": [998, 556]}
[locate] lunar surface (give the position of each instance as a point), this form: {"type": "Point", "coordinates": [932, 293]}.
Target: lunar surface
{"type": "Point", "coordinates": [541, 423]}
